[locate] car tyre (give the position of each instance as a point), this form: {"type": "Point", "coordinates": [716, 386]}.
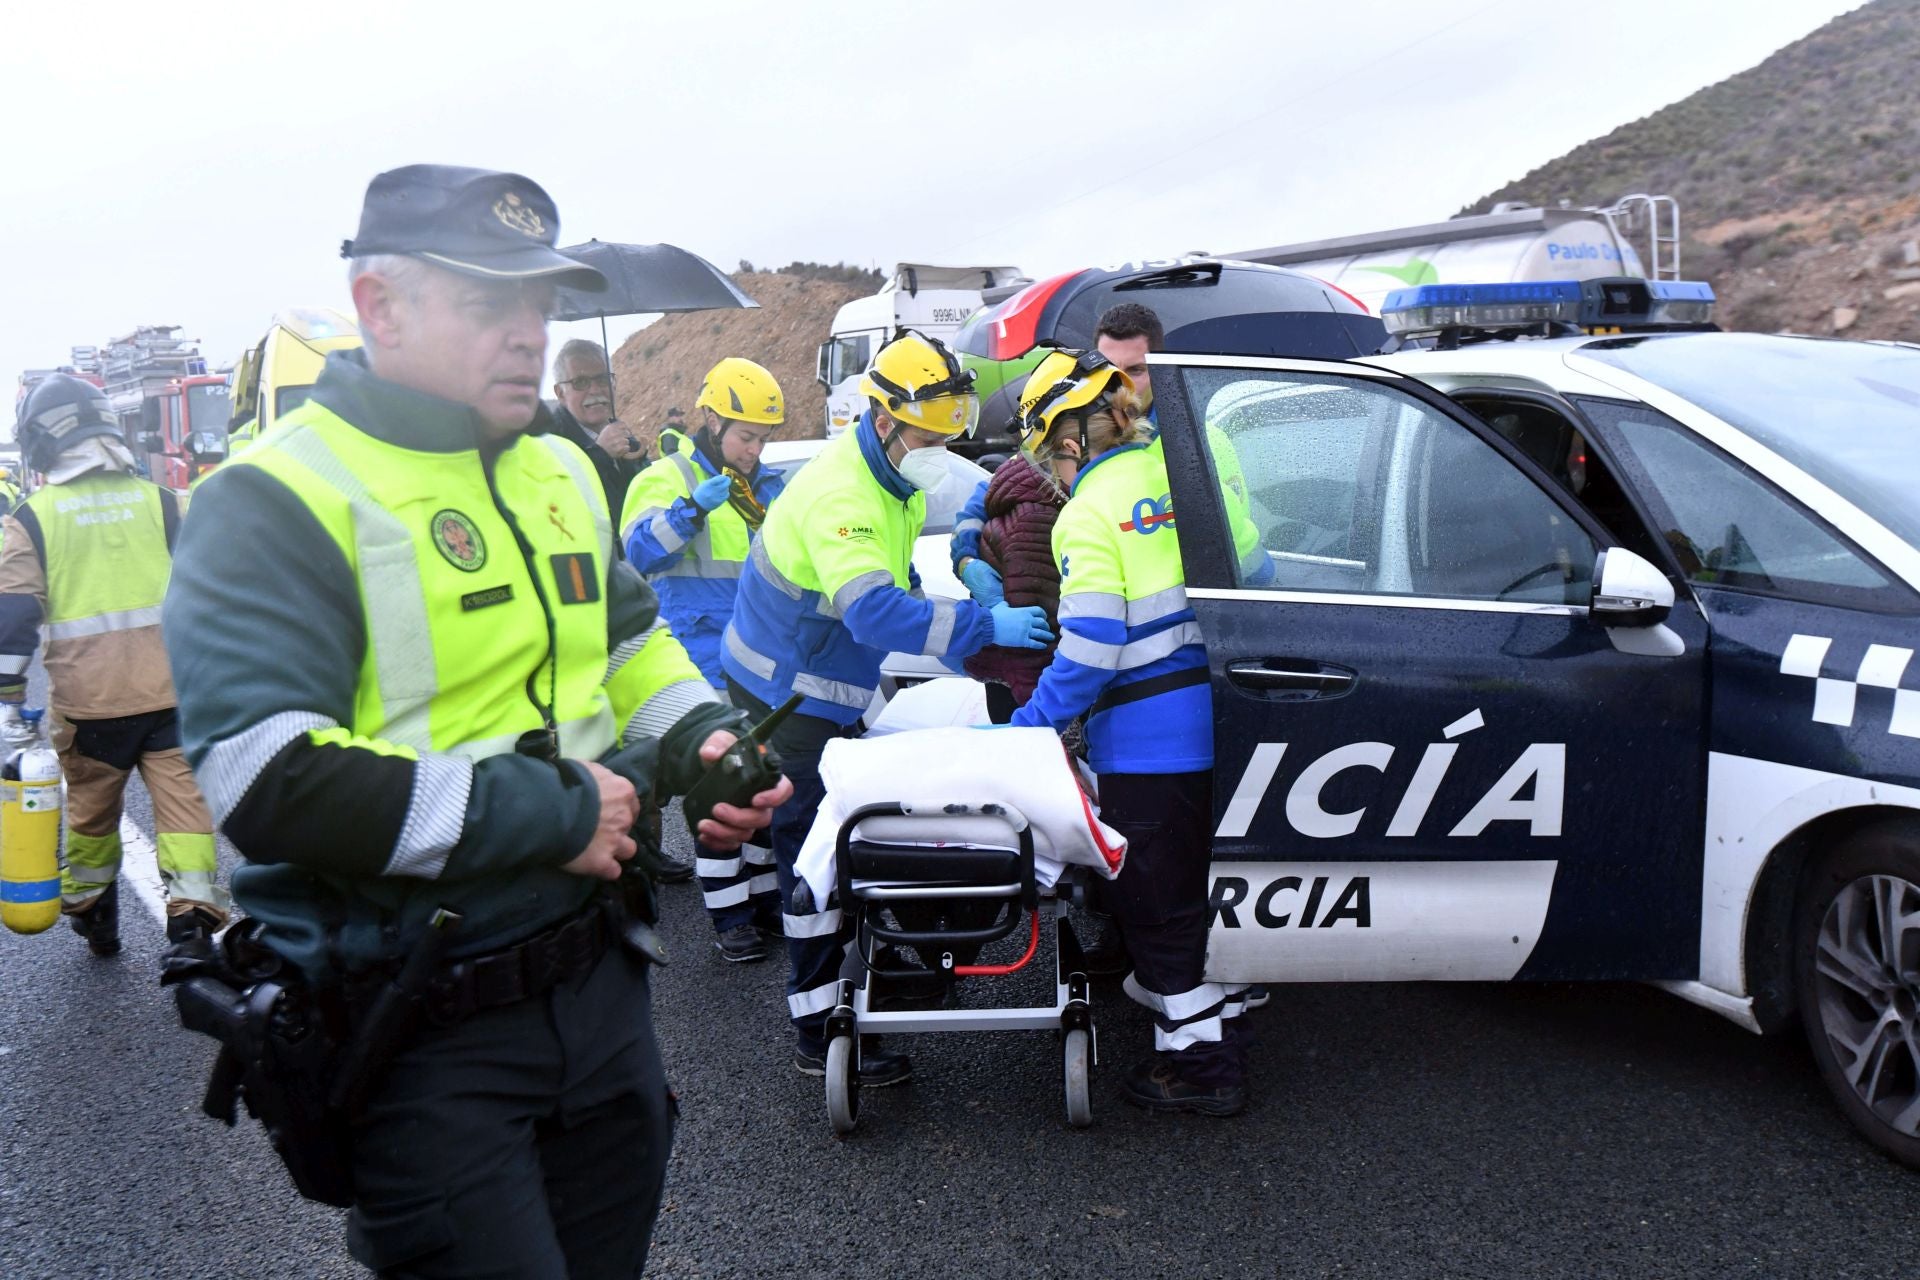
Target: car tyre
{"type": "Point", "coordinates": [1857, 974]}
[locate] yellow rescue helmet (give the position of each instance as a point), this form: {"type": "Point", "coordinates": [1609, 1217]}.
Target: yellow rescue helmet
{"type": "Point", "coordinates": [743, 391]}
{"type": "Point", "coordinates": [918, 382]}
{"type": "Point", "coordinates": [1065, 381]}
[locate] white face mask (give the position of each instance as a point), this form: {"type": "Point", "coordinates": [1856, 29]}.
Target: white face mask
{"type": "Point", "coordinates": [924, 468]}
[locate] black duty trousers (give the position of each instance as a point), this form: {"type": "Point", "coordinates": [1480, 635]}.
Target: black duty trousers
{"type": "Point", "coordinates": [1160, 902]}
{"type": "Point", "coordinates": [529, 1141]}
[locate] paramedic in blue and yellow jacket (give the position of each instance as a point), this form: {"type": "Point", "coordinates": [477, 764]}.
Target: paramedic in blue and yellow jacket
{"type": "Point", "coordinates": [687, 523]}
{"type": "Point", "coordinates": [829, 589]}
{"type": "Point", "coordinates": [1131, 659]}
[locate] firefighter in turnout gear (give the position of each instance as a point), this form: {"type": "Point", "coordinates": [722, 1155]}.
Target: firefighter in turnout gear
{"type": "Point", "coordinates": [829, 589]}
{"type": "Point", "coordinates": [88, 556]}
{"type": "Point", "coordinates": [437, 716]}
{"type": "Point", "coordinates": [1131, 660]}
{"type": "Point", "coordinates": [687, 523]}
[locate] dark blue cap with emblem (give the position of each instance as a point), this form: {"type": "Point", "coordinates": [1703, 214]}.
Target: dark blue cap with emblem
{"type": "Point", "coordinates": [478, 222]}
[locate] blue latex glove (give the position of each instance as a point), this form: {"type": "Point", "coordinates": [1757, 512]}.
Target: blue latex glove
{"type": "Point", "coordinates": [712, 492]}
{"type": "Point", "coordinates": [1020, 626]}
{"type": "Point", "coordinates": [982, 581]}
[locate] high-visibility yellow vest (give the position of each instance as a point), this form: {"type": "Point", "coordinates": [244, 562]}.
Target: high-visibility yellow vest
{"type": "Point", "coordinates": [105, 539]}
{"type": "Point", "coordinates": [457, 642]}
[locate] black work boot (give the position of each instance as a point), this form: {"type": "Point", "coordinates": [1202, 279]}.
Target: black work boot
{"type": "Point", "coordinates": [99, 924]}
{"type": "Point", "coordinates": [197, 925]}
{"type": "Point", "coordinates": [878, 1068]}
{"type": "Point", "coordinates": [1157, 1085]}
{"type": "Point", "coordinates": [672, 870]}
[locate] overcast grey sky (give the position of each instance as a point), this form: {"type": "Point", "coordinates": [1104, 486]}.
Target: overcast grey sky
{"type": "Point", "coordinates": [203, 173]}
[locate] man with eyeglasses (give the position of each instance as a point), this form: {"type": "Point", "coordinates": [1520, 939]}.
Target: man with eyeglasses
{"type": "Point", "coordinates": [585, 416]}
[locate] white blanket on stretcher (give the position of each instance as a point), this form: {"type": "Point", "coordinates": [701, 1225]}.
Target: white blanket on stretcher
{"type": "Point", "coordinates": [927, 769]}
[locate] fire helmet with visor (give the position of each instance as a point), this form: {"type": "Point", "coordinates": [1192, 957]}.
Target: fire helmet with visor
{"type": "Point", "coordinates": [918, 382]}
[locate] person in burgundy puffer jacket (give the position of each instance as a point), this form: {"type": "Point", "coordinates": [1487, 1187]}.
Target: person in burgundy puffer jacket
{"type": "Point", "coordinates": [1023, 499]}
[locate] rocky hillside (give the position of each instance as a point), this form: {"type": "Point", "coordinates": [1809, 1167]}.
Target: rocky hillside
{"type": "Point", "coordinates": [1798, 180]}
{"type": "Point", "coordinates": [662, 365]}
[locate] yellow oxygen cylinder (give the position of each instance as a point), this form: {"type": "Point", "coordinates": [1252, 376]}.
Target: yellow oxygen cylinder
{"type": "Point", "coordinates": [30, 805]}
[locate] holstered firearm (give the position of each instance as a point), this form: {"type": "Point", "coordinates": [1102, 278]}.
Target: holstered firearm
{"type": "Point", "coordinates": [283, 1055]}
{"type": "Point", "coordinates": [278, 1055]}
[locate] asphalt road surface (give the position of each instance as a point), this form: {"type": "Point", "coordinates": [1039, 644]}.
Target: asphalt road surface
{"type": "Point", "coordinates": [1419, 1131]}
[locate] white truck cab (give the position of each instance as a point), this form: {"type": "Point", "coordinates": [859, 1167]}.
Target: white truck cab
{"type": "Point", "coordinates": [932, 300]}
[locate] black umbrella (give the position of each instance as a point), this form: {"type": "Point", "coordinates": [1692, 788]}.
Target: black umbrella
{"type": "Point", "coordinates": [641, 279]}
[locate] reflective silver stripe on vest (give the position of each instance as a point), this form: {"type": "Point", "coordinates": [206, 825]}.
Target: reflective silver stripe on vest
{"type": "Point", "coordinates": [588, 482]}
{"type": "Point", "coordinates": [1159, 605]}
{"type": "Point", "coordinates": [702, 541]}
{"type": "Point", "coordinates": [834, 691]}
{"type": "Point", "coordinates": [700, 567]}
{"type": "Point", "coordinates": [655, 518]}
{"type": "Point", "coordinates": [393, 596]}
{"type": "Point", "coordinates": [854, 588]}
{"type": "Point", "coordinates": [101, 624]}
{"type": "Point", "coordinates": [15, 664]}
{"type": "Point", "coordinates": [1138, 653]}
{"type": "Point", "coordinates": [778, 580]}
{"type": "Point", "coordinates": [661, 711]}
{"type": "Point", "coordinates": [233, 765]}
{"type": "Point", "coordinates": [436, 815]}
{"type": "Point", "coordinates": [628, 649]}
{"type": "Point", "coordinates": [747, 656]}
{"type": "Point", "coordinates": [1089, 653]}
{"type": "Point", "coordinates": [1093, 604]}
{"type": "Point", "coordinates": [940, 630]}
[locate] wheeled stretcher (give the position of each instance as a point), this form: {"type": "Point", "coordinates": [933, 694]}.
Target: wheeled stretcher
{"type": "Point", "coordinates": [942, 882]}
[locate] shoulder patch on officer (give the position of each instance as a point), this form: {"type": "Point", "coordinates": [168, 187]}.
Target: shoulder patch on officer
{"type": "Point", "coordinates": [459, 540]}
{"type": "Point", "coordinates": [573, 574]}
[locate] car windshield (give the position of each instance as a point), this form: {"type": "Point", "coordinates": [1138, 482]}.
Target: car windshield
{"type": "Point", "coordinates": [1846, 413]}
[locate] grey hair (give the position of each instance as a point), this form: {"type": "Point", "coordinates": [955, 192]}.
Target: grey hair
{"type": "Point", "coordinates": [408, 275]}
{"type": "Point", "coordinates": [576, 348]}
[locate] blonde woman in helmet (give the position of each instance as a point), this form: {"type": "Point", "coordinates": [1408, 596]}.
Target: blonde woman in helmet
{"type": "Point", "coordinates": [1131, 660]}
{"type": "Point", "coordinates": [829, 589]}
{"type": "Point", "coordinates": [688, 521]}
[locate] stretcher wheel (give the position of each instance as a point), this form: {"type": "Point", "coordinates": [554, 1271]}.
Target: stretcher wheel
{"type": "Point", "coordinates": [1076, 1075]}
{"type": "Point", "coordinates": [843, 1094]}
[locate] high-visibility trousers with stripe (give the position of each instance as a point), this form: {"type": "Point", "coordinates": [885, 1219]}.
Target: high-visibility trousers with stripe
{"type": "Point", "coordinates": [817, 936]}
{"type": "Point", "coordinates": [1160, 902]}
{"type": "Point", "coordinates": [739, 887]}
{"type": "Point", "coordinates": [97, 757]}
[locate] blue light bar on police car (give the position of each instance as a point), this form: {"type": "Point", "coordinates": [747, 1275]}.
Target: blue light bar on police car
{"type": "Point", "coordinates": [1619, 302]}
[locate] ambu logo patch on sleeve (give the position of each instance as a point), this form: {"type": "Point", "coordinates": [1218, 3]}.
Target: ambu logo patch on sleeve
{"type": "Point", "coordinates": [574, 575]}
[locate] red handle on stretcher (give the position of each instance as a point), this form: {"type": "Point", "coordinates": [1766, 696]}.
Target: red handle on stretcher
{"type": "Point", "coordinates": [989, 970]}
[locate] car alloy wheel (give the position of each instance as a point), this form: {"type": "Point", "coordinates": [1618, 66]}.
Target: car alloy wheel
{"type": "Point", "coordinates": [1859, 967]}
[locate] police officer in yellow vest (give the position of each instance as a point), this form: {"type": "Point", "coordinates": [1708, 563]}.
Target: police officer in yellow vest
{"type": "Point", "coordinates": [688, 521]}
{"type": "Point", "coordinates": [409, 663]}
{"type": "Point", "coordinates": [1131, 660]}
{"type": "Point", "coordinates": [829, 589]}
{"type": "Point", "coordinates": [88, 557]}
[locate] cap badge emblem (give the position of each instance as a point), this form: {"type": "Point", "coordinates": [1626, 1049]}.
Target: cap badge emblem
{"type": "Point", "coordinates": [513, 212]}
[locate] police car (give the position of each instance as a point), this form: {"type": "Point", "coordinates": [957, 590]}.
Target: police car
{"type": "Point", "coordinates": [1586, 653]}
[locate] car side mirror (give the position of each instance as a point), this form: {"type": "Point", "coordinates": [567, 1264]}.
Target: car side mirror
{"type": "Point", "coordinates": [820, 365]}
{"type": "Point", "coordinates": [1632, 598]}
{"type": "Point", "coordinates": [1628, 591]}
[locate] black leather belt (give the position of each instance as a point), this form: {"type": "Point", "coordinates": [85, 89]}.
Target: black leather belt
{"type": "Point", "coordinates": [531, 967]}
